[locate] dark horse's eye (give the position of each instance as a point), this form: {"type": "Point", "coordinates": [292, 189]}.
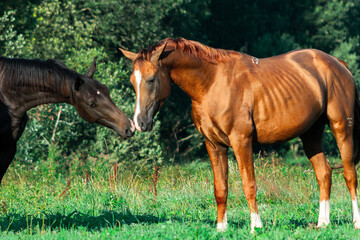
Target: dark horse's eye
{"type": "Point", "coordinates": [92, 105]}
{"type": "Point", "coordinates": [151, 80]}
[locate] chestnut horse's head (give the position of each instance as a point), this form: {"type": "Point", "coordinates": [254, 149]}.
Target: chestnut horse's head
{"type": "Point", "coordinates": [93, 103]}
{"type": "Point", "coordinates": [152, 85]}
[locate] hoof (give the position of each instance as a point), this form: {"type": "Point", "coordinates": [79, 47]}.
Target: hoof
{"type": "Point", "coordinates": [255, 222]}
{"type": "Point", "coordinates": [221, 227]}
{"type": "Point", "coordinates": [357, 224]}
{"type": "Point", "coordinates": [253, 229]}
{"type": "Point", "coordinates": [323, 223]}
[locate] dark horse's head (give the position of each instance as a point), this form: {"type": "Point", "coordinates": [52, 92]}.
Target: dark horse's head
{"type": "Point", "coordinates": [152, 85]}
{"type": "Point", "coordinates": [93, 103]}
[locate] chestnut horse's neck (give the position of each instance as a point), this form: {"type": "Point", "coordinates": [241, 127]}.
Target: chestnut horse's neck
{"type": "Point", "coordinates": [193, 74]}
{"type": "Point", "coordinates": [25, 84]}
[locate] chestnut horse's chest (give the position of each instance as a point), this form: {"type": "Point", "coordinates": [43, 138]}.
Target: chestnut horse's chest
{"type": "Point", "coordinates": [206, 127]}
{"type": "Point", "coordinates": [219, 125]}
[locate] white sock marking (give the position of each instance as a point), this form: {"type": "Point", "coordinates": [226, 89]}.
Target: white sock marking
{"type": "Point", "coordinates": [324, 213]}
{"type": "Point", "coordinates": [255, 222]}
{"type": "Point", "coordinates": [221, 227]}
{"type": "Point", "coordinates": [356, 214]}
{"type": "Point", "coordinates": [137, 108]}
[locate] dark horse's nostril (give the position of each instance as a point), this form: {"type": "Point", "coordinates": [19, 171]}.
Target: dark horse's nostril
{"type": "Point", "coordinates": [129, 133]}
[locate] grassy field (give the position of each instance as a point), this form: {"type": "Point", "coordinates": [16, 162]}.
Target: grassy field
{"type": "Point", "coordinates": [97, 202]}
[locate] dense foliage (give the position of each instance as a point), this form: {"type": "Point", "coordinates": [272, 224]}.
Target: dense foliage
{"type": "Point", "coordinates": [75, 31]}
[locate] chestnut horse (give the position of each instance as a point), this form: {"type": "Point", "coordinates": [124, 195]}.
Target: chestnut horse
{"type": "Point", "coordinates": [25, 84]}
{"type": "Point", "coordinates": [239, 100]}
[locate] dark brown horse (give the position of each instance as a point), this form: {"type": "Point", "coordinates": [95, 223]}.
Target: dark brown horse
{"type": "Point", "coordinates": [25, 84]}
{"type": "Point", "coordinates": [238, 100]}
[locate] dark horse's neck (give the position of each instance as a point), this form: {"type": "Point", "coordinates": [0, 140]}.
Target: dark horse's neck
{"type": "Point", "coordinates": [25, 84]}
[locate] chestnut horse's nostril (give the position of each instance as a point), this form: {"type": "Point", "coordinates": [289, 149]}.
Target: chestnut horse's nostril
{"type": "Point", "coordinates": [143, 126]}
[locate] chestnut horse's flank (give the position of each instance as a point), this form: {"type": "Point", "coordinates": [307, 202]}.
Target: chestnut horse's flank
{"type": "Point", "coordinates": [26, 83]}
{"type": "Point", "coordinates": [239, 100]}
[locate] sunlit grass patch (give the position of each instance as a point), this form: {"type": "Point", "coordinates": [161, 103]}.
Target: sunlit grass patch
{"type": "Point", "coordinates": [103, 200]}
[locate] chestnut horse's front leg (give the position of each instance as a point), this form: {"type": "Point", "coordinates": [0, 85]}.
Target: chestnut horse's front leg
{"type": "Point", "coordinates": [219, 161]}
{"type": "Point", "coordinates": [244, 157]}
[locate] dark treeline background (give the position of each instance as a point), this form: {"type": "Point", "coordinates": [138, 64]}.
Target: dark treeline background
{"type": "Point", "coordinates": [75, 31]}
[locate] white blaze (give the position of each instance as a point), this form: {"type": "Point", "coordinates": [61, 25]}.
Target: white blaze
{"type": "Point", "coordinates": [356, 214]}
{"type": "Point", "coordinates": [324, 213]}
{"type": "Point", "coordinates": [255, 222]}
{"type": "Point", "coordinates": [223, 225]}
{"type": "Point", "coordinates": [137, 108]}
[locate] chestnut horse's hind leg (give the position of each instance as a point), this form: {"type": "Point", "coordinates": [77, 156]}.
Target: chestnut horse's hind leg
{"type": "Point", "coordinates": [244, 157]}
{"type": "Point", "coordinates": [341, 124]}
{"type": "Point", "coordinates": [312, 142]}
{"type": "Point", "coordinates": [219, 161]}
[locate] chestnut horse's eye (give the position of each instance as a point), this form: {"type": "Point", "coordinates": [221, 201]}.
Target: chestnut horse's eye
{"type": "Point", "coordinates": [92, 105]}
{"type": "Point", "coordinates": [151, 80]}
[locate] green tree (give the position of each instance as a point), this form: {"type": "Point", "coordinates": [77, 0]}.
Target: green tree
{"type": "Point", "coordinates": [132, 25]}
{"type": "Point", "coordinates": [11, 42]}
{"type": "Point", "coordinates": [75, 31]}
{"type": "Point", "coordinates": [56, 132]}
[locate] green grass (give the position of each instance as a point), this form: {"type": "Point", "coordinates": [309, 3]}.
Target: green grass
{"type": "Point", "coordinates": [40, 202]}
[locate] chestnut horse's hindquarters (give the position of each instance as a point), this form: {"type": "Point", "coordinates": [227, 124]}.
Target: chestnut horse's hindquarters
{"type": "Point", "coordinates": [357, 128]}
{"type": "Point", "coordinates": [356, 136]}
{"type": "Point", "coordinates": [342, 113]}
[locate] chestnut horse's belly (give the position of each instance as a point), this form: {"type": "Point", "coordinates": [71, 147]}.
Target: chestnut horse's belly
{"type": "Point", "coordinates": [284, 119]}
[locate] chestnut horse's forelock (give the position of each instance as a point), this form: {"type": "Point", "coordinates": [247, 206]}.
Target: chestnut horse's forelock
{"type": "Point", "coordinates": [195, 49]}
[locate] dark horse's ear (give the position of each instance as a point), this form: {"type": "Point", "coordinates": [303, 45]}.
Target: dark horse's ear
{"type": "Point", "coordinates": [157, 54]}
{"type": "Point", "coordinates": [90, 72]}
{"type": "Point", "coordinates": [78, 82]}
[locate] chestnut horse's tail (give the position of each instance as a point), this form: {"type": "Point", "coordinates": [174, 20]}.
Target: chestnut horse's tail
{"type": "Point", "coordinates": [356, 134]}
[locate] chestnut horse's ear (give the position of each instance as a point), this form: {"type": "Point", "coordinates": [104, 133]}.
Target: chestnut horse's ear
{"type": "Point", "coordinates": [78, 82]}
{"type": "Point", "coordinates": [155, 56]}
{"type": "Point", "coordinates": [90, 72]}
{"type": "Point", "coordinates": [129, 54]}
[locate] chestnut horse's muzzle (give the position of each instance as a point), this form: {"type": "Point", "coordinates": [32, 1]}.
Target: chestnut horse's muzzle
{"type": "Point", "coordinates": [144, 122]}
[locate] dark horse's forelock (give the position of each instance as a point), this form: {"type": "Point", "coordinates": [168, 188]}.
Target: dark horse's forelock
{"type": "Point", "coordinates": [192, 48]}
{"type": "Point", "coordinates": [35, 73]}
